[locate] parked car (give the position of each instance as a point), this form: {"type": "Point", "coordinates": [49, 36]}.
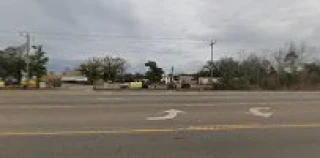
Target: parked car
{"type": "Point", "coordinates": [11, 82]}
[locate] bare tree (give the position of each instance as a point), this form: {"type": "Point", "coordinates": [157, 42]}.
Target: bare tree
{"type": "Point", "coordinates": [107, 68]}
{"type": "Point", "coordinates": [277, 59]}
{"type": "Point", "coordinates": [112, 67]}
{"type": "Point", "coordinates": [305, 53]}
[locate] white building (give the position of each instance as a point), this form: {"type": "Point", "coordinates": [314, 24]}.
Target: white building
{"type": "Point", "coordinates": [207, 80]}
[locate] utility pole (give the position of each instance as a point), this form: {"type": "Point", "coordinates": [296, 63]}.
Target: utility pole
{"type": "Point", "coordinates": [171, 78]}
{"type": "Point", "coordinates": [171, 84]}
{"type": "Point", "coordinates": [211, 71]}
{"type": "Point", "coordinates": [27, 58]}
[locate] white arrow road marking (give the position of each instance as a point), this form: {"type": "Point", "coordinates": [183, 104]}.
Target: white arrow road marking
{"type": "Point", "coordinates": [171, 115]}
{"type": "Point", "coordinates": [257, 112]}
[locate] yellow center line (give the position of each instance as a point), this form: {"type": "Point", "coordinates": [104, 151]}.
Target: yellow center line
{"type": "Point", "coordinates": [257, 126]}
{"type": "Point", "coordinates": [164, 130]}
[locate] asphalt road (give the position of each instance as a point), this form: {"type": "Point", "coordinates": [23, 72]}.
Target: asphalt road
{"type": "Point", "coordinates": [160, 124]}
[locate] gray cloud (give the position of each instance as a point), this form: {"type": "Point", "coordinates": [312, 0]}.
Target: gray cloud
{"type": "Point", "coordinates": [58, 11]}
{"type": "Point", "coordinates": [170, 32]}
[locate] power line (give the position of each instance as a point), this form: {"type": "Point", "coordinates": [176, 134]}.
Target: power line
{"type": "Point", "coordinates": [106, 36]}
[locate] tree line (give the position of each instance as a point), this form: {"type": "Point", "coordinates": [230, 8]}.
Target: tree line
{"type": "Point", "coordinates": [112, 69]}
{"type": "Point", "coordinates": [284, 69]}
{"type": "Point", "coordinates": [13, 64]}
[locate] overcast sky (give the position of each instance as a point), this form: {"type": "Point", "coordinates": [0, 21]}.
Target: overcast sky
{"type": "Point", "coordinates": [171, 32]}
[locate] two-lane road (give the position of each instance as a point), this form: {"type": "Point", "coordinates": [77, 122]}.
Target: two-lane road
{"type": "Point", "coordinates": [159, 124]}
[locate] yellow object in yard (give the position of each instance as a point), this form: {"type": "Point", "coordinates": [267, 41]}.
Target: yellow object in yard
{"type": "Point", "coordinates": [136, 85]}
{"type": "Point", "coordinates": [2, 84]}
{"type": "Point", "coordinates": [23, 83]}
{"type": "Point", "coordinates": [30, 83]}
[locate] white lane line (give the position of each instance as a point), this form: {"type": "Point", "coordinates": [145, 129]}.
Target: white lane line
{"type": "Point", "coordinates": [257, 112]}
{"type": "Point", "coordinates": [173, 113]}
{"type": "Point", "coordinates": [108, 99]}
